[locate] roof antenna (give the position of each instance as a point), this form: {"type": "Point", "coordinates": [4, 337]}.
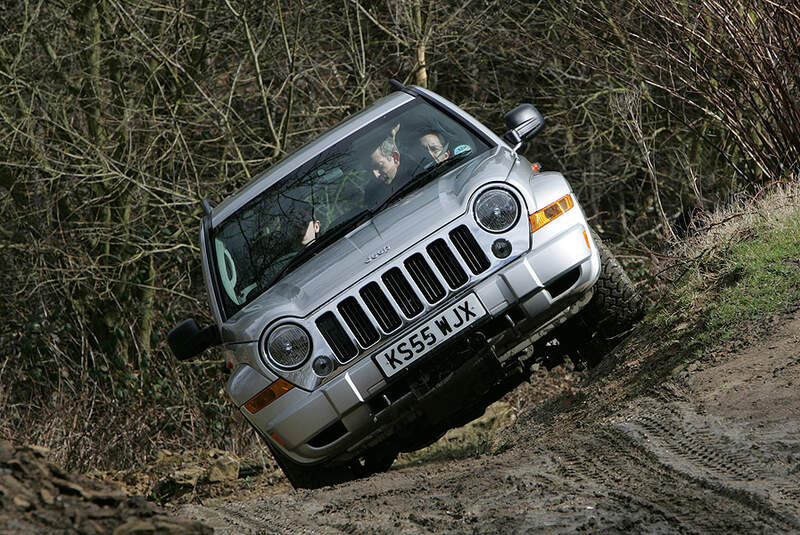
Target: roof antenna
{"type": "Point", "coordinates": [395, 85]}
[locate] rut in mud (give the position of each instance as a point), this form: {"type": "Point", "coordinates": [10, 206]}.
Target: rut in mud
{"type": "Point", "coordinates": [716, 449]}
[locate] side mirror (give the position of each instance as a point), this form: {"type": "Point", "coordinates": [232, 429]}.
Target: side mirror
{"type": "Point", "coordinates": [188, 339]}
{"type": "Point", "coordinates": [523, 123]}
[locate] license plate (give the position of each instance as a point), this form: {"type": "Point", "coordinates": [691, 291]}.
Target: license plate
{"type": "Point", "coordinates": [430, 334]}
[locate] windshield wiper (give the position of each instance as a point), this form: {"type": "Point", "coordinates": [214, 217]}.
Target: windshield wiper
{"type": "Point", "coordinates": [325, 239]}
{"type": "Point", "coordinates": [421, 179]}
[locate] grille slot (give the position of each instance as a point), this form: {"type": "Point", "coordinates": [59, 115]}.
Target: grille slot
{"type": "Point", "coordinates": [447, 264]}
{"type": "Point", "coordinates": [336, 336]}
{"type": "Point", "coordinates": [467, 246]}
{"type": "Point", "coordinates": [402, 292]}
{"type": "Point", "coordinates": [379, 305]}
{"type": "Point", "coordinates": [425, 278]}
{"type": "Point", "coordinates": [563, 283]}
{"type": "Point", "coordinates": [359, 323]}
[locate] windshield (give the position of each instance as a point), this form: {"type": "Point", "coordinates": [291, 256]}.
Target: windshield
{"type": "Point", "coordinates": [263, 241]}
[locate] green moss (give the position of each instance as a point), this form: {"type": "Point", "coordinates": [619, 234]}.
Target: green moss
{"type": "Point", "coordinates": [767, 269]}
{"type": "Point", "coordinates": [481, 436]}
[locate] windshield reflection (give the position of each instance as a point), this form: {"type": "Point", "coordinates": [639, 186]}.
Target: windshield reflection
{"type": "Point", "coordinates": [263, 241]}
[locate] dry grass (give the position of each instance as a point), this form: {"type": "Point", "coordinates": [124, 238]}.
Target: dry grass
{"type": "Point", "coordinates": [770, 208]}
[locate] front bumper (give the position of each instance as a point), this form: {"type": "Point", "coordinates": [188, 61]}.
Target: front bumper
{"type": "Point", "coordinates": [360, 407]}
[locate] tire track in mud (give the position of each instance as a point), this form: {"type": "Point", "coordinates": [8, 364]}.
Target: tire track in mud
{"type": "Point", "coordinates": [637, 477]}
{"type": "Point", "coordinates": [696, 446]}
{"type": "Point", "coordinates": [632, 474]}
{"type": "Point", "coordinates": [655, 467]}
{"type": "Point", "coordinates": [393, 508]}
{"type": "Point", "coordinates": [235, 518]}
{"type": "Point", "coordinates": [685, 437]}
{"type": "Point", "coordinates": [718, 452]}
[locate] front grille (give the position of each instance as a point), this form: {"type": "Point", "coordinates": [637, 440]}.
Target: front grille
{"type": "Point", "coordinates": [401, 293]}
{"type": "Point", "coordinates": [381, 308]}
{"type": "Point", "coordinates": [359, 323]}
{"type": "Point", "coordinates": [447, 264]}
{"type": "Point", "coordinates": [424, 277]}
{"type": "Point", "coordinates": [467, 246]}
{"type": "Point", "coordinates": [336, 337]}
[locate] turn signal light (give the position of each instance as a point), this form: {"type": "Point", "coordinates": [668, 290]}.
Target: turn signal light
{"type": "Point", "coordinates": [268, 395]}
{"type": "Point", "coordinates": [542, 217]}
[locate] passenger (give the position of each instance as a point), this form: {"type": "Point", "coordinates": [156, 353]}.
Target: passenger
{"type": "Point", "coordinates": [312, 229]}
{"type": "Point", "coordinates": [435, 143]}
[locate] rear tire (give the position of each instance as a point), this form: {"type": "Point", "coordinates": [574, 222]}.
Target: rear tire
{"type": "Point", "coordinates": [614, 309]}
{"type": "Point", "coordinates": [379, 459]}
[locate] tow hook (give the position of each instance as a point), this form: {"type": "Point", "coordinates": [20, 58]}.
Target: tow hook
{"type": "Point", "coordinates": [477, 340]}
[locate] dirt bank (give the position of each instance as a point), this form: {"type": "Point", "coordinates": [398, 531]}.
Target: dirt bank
{"type": "Point", "coordinates": [714, 449]}
{"type": "Point", "coordinates": [37, 496]}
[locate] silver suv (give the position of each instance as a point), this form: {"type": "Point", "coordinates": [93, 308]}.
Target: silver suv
{"type": "Point", "coordinates": [392, 278]}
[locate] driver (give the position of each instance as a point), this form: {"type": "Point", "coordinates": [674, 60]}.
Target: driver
{"type": "Point", "coordinates": [389, 168]}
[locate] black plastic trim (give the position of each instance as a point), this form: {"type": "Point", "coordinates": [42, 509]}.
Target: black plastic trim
{"type": "Point", "coordinates": [564, 282]}
{"type": "Point", "coordinates": [329, 435]}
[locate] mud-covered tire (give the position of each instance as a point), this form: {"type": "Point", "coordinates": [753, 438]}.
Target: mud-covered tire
{"type": "Point", "coordinates": [311, 477]}
{"type": "Point", "coordinates": [614, 309]}
{"type": "Point", "coordinates": [616, 305]}
{"type": "Point", "coordinates": [378, 459]}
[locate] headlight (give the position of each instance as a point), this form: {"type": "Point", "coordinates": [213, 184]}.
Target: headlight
{"type": "Point", "coordinates": [496, 210]}
{"type": "Point", "coordinates": [288, 346]}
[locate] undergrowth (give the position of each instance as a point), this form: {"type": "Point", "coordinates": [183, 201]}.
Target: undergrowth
{"type": "Point", "coordinates": [740, 266]}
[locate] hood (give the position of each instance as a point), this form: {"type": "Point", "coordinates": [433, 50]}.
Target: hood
{"type": "Point", "coordinates": [369, 246]}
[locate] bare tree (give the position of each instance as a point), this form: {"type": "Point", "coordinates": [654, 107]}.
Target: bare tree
{"type": "Point", "coordinates": [118, 116]}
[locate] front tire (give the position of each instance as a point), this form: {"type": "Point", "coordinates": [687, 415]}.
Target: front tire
{"type": "Point", "coordinates": [378, 459]}
{"type": "Point", "coordinates": [614, 309]}
{"type": "Point", "coordinates": [311, 477]}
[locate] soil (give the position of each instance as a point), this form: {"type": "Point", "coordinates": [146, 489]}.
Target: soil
{"type": "Point", "coordinates": [37, 496]}
{"type": "Point", "coordinates": [715, 448]}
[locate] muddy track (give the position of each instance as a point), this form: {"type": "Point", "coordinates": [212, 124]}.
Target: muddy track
{"type": "Point", "coordinates": [716, 450]}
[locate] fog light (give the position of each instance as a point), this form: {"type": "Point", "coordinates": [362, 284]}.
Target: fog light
{"type": "Point", "coordinates": [322, 366]}
{"type": "Point", "coordinates": [501, 248]}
